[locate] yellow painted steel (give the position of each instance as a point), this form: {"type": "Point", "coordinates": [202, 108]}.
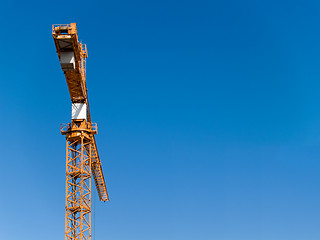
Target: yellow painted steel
{"type": "Point", "coordinates": [82, 158]}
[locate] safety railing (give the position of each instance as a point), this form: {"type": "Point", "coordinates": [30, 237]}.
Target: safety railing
{"type": "Point", "coordinates": [64, 28]}
{"type": "Point", "coordinates": [65, 127]}
{"type": "Point", "coordinates": [60, 28]}
{"type": "Point", "coordinates": [90, 127]}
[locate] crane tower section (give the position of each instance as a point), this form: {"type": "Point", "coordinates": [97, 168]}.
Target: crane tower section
{"type": "Point", "coordinates": [82, 158]}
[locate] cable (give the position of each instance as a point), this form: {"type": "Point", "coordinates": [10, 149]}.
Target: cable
{"type": "Point", "coordinates": [94, 215]}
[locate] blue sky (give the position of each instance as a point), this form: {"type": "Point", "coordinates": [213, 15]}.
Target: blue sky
{"type": "Point", "coordinates": [208, 117]}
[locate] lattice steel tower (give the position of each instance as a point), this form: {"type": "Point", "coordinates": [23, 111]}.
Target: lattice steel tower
{"type": "Point", "coordinates": [82, 159]}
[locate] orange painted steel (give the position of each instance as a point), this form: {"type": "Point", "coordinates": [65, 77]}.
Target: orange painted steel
{"type": "Point", "coordinates": [82, 158]}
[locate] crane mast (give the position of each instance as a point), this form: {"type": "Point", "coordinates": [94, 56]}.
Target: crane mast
{"type": "Point", "coordinates": [82, 158]}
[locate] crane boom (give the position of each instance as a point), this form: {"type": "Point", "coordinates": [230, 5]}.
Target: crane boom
{"type": "Point", "coordinates": [82, 160]}
{"type": "Point", "coordinates": [72, 55]}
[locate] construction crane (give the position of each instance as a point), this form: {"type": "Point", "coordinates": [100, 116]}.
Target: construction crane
{"type": "Point", "coordinates": [82, 158]}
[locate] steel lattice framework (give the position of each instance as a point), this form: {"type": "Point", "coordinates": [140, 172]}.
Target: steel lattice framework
{"type": "Point", "coordinates": [82, 158]}
{"type": "Point", "coordinates": [78, 186]}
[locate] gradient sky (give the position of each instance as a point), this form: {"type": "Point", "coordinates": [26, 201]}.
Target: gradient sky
{"type": "Point", "coordinates": [208, 116]}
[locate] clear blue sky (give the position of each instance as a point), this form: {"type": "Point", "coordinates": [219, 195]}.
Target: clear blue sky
{"type": "Point", "coordinates": [208, 115]}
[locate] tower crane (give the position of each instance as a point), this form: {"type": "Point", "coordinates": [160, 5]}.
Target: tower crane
{"type": "Point", "coordinates": [82, 158]}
